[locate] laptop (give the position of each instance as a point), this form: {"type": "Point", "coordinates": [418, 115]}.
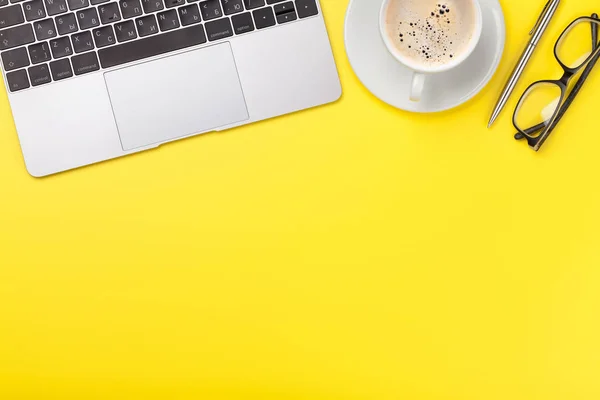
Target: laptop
{"type": "Point", "coordinates": [92, 80]}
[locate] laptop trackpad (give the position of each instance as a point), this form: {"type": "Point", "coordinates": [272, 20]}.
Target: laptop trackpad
{"type": "Point", "coordinates": [176, 96]}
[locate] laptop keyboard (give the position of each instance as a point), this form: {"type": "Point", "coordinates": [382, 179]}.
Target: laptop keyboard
{"type": "Point", "coordinates": [50, 40]}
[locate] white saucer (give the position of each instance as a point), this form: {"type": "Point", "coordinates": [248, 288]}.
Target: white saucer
{"type": "Point", "coordinates": [390, 81]}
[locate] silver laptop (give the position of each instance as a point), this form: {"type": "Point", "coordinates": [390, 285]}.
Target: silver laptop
{"type": "Point", "coordinates": [90, 80]}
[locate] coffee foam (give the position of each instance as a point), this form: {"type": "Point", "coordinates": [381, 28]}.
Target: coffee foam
{"type": "Point", "coordinates": [430, 32]}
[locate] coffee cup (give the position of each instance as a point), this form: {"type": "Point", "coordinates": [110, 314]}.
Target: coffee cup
{"type": "Point", "coordinates": [430, 36]}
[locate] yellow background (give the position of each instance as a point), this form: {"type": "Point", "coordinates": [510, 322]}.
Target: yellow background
{"type": "Point", "coordinates": [352, 251]}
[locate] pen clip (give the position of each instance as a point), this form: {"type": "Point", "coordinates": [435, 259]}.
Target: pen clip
{"type": "Point", "coordinates": [537, 23]}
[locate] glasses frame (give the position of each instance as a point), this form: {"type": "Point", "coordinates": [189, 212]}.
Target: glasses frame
{"type": "Point", "coordinates": [536, 141]}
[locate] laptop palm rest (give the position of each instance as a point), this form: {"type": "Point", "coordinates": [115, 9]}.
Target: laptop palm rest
{"type": "Point", "coordinates": [176, 96]}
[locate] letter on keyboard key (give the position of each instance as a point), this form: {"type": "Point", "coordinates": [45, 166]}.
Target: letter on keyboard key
{"type": "Point", "coordinates": [242, 23]}
{"type": "Point", "coordinates": [151, 6]}
{"type": "Point", "coordinates": [17, 80]}
{"type": "Point", "coordinates": [232, 6]}
{"type": "Point", "coordinates": [61, 47]}
{"type": "Point", "coordinates": [151, 46]}
{"type": "Point", "coordinates": [14, 59]}
{"type": "Point", "coordinates": [168, 20]}
{"type": "Point", "coordinates": [34, 10]}
{"type": "Point", "coordinates": [84, 63]}
{"type": "Point", "coordinates": [16, 36]}
{"type": "Point", "coordinates": [306, 8]}
{"type": "Point", "coordinates": [82, 41]}
{"type": "Point", "coordinates": [87, 18]}
{"type": "Point", "coordinates": [104, 36]}
{"type": "Point", "coordinates": [109, 13]}
{"type": "Point", "coordinates": [61, 69]}
{"type": "Point", "coordinates": [10, 16]}
{"type": "Point", "coordinates": [218, 29]}
{"type": "Point", "coordinates": [146, 25]}
{"type": "Point", "coordinates": [55, 7]}
{"type": "Point", "coordinates": [39, 74]}
{"type": "Point", "coordinates": [174, 3]}
{"type": "Point", "coordinates": [210, 9]}
{"type": "Point", "coordinates": [77, 4]}
{"type": "Point", "coordinates": [44, 29]}
{"type": "Point", "coordinates": [264, 17]}
{"type": "Point", "coordinates": [66, 24]}
{"type": "Point", "coordinates": [189, 15]}
{"type": "Point", "coordinates": [125, 31]}
{"type": "Point", "coordinates": [130, 8]}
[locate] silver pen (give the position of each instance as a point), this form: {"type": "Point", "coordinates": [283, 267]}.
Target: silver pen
{"type": "Point", "coordinates": [536, 34]}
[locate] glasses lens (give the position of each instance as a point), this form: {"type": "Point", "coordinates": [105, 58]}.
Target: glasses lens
{"type": "Point", "coordinates": [538, 106]}
{"type": "Point", "coordinates": [574, 47]}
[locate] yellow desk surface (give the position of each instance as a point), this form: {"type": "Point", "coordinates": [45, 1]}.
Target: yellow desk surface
{"type": "Point", "coordinates": [352, 251]}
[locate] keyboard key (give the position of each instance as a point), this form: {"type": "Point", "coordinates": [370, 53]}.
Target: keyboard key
{"type": "Point", "coordinates": [96, 2]}
{"type": "Point", "coordinates": [264, 17]}
{"type": "Point", "coordinates": [84, 63]}
{"type": "Point", "coordinates": [66, 24]}
{"type": "Point", "coordinates": [287, 17]}
{"type": "Point", "coordinates": [104, 36]}
{"type": "Point", "coordinates": [218, 29]}
{"type": "Point", "coordinates": [55, 7]}
{"type": "Point", "coordinates": [152, 46]}
{"type": "Point", "coordinates": [10, 16]}
{"type": "Point", "coordinates": [109, 13]}
{"type": "Point", "coordinates": [61, 69]}
{"type": "Point", "coordinates": [14, 59]}
{"type": "Point", "coordinates": [61, 47]}
{"type": "Point", "coordinates": [242, 23]}
{"type": "Point", "coordinates": [17, 80]}
{"type": "Point", "coordinates": [306, 8]}
{"type": "Point", "coordinates": [232, 6]}
{"type": "Point", "coordinates": [34, 10]}
{"type": "Point", "coordinates": [274, 1]}
{"type": "Point", "coordinates": [87, 18]}
{"type": "Point", "coordinates": [3, 3]}
{"type": "Point", "coordinates": [146, 25]}
{"type": "Point", "coordinates": [16, 36]}
{"type": "Point", "coordinates": [39, 52]}
{"type": "Point", "coordinates": [82, 42]}
{"type": "Point", "coordinates": [250, 4]}
{"type": "Point", "coordinates": [283, 8]}
{"type": "Point", "coordinates": [130, 8]}
{"type": "Point", "coordinates": [168, 20]}
{"type": "Point", "coordinates": [151, 6]}
{"type": "Point", "coordinates": [44, 29]}
{"type": "Point", "coordinates": [284, 12]}
{"type": "Point", "coordinates": [210, 9]}
{"type": "Point", "coordinates": [174, 3]}
{"type": "Point", "coordinates": [189, 15]}
{"type": "Point", "coordinates": [39, 75]}
{"type": "Point", "coordinates": [125, 31]}
{"type": "Point", "coordinates": [77, 4]}
{"type": "Point", "coordinates": [16, 1]}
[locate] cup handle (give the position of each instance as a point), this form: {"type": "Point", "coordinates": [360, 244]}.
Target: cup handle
{"type": "Point", "coordinates": [418, 84]}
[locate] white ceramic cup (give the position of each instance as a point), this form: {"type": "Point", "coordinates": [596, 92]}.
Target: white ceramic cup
{"type": "Point", "coordinates": [420, 72]}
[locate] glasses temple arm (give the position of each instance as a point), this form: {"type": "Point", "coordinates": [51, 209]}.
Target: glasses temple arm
{"type": "Point", "coordinates": [574, 92]}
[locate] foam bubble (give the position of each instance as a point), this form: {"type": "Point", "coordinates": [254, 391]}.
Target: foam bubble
{"type": "Point", "coordinates": [431, 32]}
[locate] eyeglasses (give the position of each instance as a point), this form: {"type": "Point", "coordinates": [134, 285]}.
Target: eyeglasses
{"type": "Point", "coordinates": [543, 104]}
